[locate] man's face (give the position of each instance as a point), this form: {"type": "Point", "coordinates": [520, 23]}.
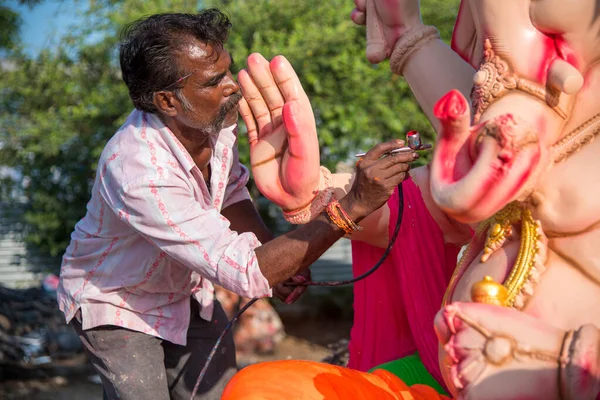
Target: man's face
{"type": "Point", "coordinates": [210, 96]}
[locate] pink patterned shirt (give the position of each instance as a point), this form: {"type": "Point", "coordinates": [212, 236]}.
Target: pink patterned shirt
{"type": "Point", "coordinates": [153, 235]}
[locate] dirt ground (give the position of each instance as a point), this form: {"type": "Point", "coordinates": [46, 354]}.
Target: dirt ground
{"type": "Point", "coordinates": [305, 340]}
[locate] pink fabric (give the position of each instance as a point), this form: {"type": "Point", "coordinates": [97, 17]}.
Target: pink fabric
{"type": "Point", "coordinates": [153, 235]}
{"type": "Point", "coordinates": [394, 308]}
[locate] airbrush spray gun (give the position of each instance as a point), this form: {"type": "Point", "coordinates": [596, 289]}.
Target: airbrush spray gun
{"type": "Point", "coordinates": [414, 142]}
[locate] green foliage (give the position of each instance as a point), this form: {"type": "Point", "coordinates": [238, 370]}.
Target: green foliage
{"type": "Point", "coordinates": [9, 27]}
{"type": "Point", "coordinates": [10, 23]}
{"type": "Point", "coordinates": [58, 111]}
{"type": "Point", "coordinates": [57, 115]}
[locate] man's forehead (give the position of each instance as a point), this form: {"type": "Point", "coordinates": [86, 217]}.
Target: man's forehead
{"type": "Point", "coordinates": [197, 51]}
{"type": "Point", "coordinates": [202, 52]}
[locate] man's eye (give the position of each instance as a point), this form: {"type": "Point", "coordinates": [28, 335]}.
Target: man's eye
{"type": "Point", "coordinates": [214, 82]}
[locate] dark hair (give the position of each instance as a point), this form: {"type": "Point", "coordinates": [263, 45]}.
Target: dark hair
{"type": "Point", "coordinates": [148, 46]}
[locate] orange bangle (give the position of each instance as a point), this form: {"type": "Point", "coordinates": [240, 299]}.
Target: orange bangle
{"type": "Point", "coordinates": [345, 216]}
{"type": "Point", "coordinates": [337, 220]}
{"type": "Point", "coordinates": [340, 218]}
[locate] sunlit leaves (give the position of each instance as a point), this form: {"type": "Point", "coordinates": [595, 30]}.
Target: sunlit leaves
{"type": "Point", "coordinates": [57, 111]}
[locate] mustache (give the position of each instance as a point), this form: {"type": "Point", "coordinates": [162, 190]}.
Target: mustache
{"type": "Point", "coordinates": [233, 101]}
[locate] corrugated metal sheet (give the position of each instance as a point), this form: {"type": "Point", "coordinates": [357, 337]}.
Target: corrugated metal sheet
{"type": "Point", "coordinates": [20, 267]}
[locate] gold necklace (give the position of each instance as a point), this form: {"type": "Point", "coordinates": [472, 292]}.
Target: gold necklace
{"type": "Point", "coordinates": [528, 265]}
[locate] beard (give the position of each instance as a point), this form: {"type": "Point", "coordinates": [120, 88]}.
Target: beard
{"type": "Point", "coordinates": [224, 110]}
{"type": "Point", "coordinates": [214, 127]}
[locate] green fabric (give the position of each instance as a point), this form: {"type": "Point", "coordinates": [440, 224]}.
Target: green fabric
{"type": "Point", "coordinates": [412, 371]}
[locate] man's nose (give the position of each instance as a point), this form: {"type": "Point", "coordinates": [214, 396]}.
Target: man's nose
{"type": "Point", "coordinates": [231, 86]}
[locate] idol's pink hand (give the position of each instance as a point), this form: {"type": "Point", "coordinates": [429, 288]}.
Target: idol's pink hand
{"type": "Point", "coordinates": [489, 347]}
{"type": "Point", "coordinates": [386, 21]}
{"type": "Point", "coordinates": [284, 149]}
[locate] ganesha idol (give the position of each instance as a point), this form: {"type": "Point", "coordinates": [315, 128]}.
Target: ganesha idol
{"type": "Point", "coordinates": [515, 164]}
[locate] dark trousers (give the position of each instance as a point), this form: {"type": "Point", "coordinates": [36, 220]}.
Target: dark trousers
{"type": "Point", "coordinates": [133, 365]}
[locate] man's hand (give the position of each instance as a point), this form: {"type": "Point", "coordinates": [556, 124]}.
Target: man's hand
{"type": "Point", "coordinates": [378, 174]}
{"type": "Point", "coordinates": [284, 149]}
{"type": "Point", "coordinates": [289, 294]}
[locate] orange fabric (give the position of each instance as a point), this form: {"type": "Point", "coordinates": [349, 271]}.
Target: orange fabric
{"type": "Point", "coordinates": [307, 380]}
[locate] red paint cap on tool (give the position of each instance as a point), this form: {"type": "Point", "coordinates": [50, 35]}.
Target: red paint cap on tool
{"type": "Point", "coordinates": [413, 139]}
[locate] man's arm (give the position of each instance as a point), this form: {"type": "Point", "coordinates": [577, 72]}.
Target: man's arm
{"type": "Point", "coordinates": [297, 250]}
{"type": "Point", "coordinates": [165, 211]}
{"type": "Point", "coordinates": [375, 227]}
{"type": "Point", "coordinates": [375, 180]}
{"type": "Point", "coordinates": [167, 215]}
{"type": "Point", "coordinates": [244, 217]}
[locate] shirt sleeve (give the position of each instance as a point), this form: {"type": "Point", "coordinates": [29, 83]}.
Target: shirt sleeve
{"type": "Point", "coordinates": [165, 212]}
{"type": "Point", "coordinates": [236, 189]}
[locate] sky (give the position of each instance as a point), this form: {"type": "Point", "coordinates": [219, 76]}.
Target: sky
{"type": "Point", "coordinates": [45, 23]}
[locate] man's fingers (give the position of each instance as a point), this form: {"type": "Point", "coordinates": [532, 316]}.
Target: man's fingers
{"type": "Point", "coordinates": [397, 179]}
{"type": "Point", "coordinates": [256, 102]}
{"type": "Point", "coordinates": [395, 170]}
{"type": "Point", "coordinates": [299, 291]}
{"type": "Point", "coordinates": [282, 293]}
{"type": "Point", "coordinates": [249, 121]}
{"type": "Point", "coordinates": [259, 70]}
{"type": "Point", "coordinates": [361, 5]}
{"type": "Point", "coordinates": [382, 148]}
{"type": "Point", "coordinates": [396, 158]}
{"type": "Point", "coordinates": [289, 294]}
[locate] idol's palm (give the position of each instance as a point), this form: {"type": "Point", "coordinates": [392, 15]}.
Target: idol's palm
{"type": "Point", "coordinates": [284, 149]}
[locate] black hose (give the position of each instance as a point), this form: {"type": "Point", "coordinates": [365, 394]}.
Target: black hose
{"type": "Point", "coordinates": [331, 283]}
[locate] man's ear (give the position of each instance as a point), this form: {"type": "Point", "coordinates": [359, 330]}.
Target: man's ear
{"type": "Point", "coordinates": [165, 103]}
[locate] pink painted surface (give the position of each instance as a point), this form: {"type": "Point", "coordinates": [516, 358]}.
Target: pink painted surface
{"type": "Point", "coordinates": [153, 235]}
{"type": "Point", "coordinates": [395, 307]}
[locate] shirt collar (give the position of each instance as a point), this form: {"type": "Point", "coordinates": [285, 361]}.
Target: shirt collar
{"type": "Point", "coordinates": [226, 137]}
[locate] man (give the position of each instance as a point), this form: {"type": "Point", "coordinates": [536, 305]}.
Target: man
{"type": "Point", "coordinates": [169, 215]}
